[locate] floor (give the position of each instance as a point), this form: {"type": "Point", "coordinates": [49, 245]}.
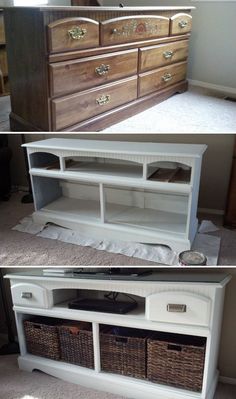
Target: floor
{"type": "Point", "coordinates": [201, 110]}
{"type": "Point", "coordinates": [23, 249]}
{"type": "Point", "coordinates": [17, 384]}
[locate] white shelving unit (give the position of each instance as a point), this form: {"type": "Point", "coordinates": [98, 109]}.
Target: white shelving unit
{"type": "Point", "coordinates": [143, 192]}
{"type": "Point", "coordinates": [201, 293]}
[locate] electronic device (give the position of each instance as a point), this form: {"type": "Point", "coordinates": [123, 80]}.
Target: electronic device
{"type": "Point", "coordinates": [102, 305]}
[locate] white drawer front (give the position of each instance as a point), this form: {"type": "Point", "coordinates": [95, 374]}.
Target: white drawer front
{"type": "Point", "coordinates": [24, 294]}
{"type": "Point", "coordinates": [179, 307]}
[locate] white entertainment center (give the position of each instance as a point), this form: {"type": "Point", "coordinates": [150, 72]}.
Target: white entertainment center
{"type": "Point", "coordinates": [139, 192]}
{"type": "Point", "coordinates": [189, 303]}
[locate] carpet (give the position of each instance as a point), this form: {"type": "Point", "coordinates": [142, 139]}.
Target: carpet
{"type": "Point", "coordinates": [23, 249]}
{"type": "Point", "coordinates": [195, 111]}
{"type": "Point", "coordinates": [18, 384]}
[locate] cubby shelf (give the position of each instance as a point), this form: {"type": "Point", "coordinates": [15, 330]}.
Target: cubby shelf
{"type": "Point", "coordinates": [140, 192]}
{"type": "Point", "coordinates": [203, 296]}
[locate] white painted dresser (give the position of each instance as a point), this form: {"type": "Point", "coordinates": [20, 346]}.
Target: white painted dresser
{"type": "Point", "coordinates": [189, 303]}
{"type": "Point", "coordinates": [141, 192]}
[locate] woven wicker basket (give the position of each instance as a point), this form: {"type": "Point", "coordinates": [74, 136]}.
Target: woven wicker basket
{"type": "Point", "coordinates": [42, 337]}
{"type": "Point", "coordinates": [76, 343]}
{"type": "Point", "coordinates": [176, 360]}
{"type": "Point", "coordinates": [124, 353]}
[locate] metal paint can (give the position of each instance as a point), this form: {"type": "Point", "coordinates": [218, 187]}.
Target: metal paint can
{"type": "Point", "coordinates": [192, 258]}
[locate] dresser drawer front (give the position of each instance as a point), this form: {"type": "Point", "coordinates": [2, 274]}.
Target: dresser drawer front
{"type": "Point", "coordinates": [76, 108]}
{"type": "Point", "coordinates": [164, 54]}
{"type": "Point", "coordinates": [161, 78]}
{"type": "Point", "coordinates": [72, 34]}
{"type": "Point", "coordinates": [129, 29]}
{"type": "Point", "coordinates": [179, 308]}
{"type": "Point", "coordinates": [180, 24]}
{"type": "Point", "coordinates": [32, 295]}
{"type": "Point", "coordinates": [94, 71]}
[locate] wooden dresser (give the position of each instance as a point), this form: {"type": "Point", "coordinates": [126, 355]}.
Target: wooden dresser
{"type": "Point", "coordinates": [85, 68]}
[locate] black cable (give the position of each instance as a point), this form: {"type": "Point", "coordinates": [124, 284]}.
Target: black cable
{"type": "Point", "coordinates": [112, 296]}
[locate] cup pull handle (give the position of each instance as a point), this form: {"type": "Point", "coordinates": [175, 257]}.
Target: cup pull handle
{"type": "Point", "coordinates": [26, 295]}
{"type": "Point", "coordinates": [176, 308]}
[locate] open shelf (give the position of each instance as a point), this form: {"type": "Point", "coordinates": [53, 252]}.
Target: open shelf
{"type": "Point", "coordinates": [89, 210]}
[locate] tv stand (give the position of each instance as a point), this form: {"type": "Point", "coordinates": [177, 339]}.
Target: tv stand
{"type": "Point", "coordinates": [202, 293]}
{"type": "Point", "coordinates": [127, 191]}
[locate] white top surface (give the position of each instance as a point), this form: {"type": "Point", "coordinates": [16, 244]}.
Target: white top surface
{"type": "Point", "coordinates": [51, 6]}
{"type": "Point", "coordinates": [124, 147]}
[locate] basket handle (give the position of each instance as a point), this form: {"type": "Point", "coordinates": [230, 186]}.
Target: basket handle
{"type": "Point", "coordinates": [173, 347]}
{"type": "Point", "coordinates": [121, 340]}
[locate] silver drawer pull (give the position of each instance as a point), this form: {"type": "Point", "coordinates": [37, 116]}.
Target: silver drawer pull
{"type": "Point", "coordinates": [26, 295]}
{"type": "Point", "coordinates": [168, 54]}
{"type": "Point", "coordinates": [176, 308]}
{"type": "Point", "coordinates": [183, 24]}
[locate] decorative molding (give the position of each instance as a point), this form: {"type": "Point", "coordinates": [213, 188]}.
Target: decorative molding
{"type": "Point", "coordinates": [222, 89]}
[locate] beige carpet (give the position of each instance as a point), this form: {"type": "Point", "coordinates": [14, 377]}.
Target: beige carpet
{"type": "Point", "coordinates": [24, 249]}
{"type": "Point", "coordinates": [17, 384]}
{"type": "Point", "coordinates": [196, 111]}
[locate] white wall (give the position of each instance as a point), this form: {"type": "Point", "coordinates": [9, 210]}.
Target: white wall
{"type": "Point", "coordinates": [212, 50]}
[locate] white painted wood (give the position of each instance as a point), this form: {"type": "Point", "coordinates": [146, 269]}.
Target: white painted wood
{"type": "Point", "coordinates": [196, 309]}
{"type": "Point", "coordinates": [37, 295]}
{"type": "Point", "coordinates": [106, 175]}
{"type": "Point", "coordinates": [204, 294]}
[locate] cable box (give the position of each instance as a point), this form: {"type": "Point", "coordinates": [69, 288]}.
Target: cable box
{"type": "Point", "coordinates": [102, 305]}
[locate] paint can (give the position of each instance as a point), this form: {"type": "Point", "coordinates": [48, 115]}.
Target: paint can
{"type": "Point", "coordinates": [192, 258]}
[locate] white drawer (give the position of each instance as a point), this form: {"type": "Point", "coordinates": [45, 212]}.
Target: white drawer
{"type": "Point", "coordinates": [25, 294]}
{"type": "Point", "coordinates": [179, 307]}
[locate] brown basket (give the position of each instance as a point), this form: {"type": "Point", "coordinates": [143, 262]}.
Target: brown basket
{"type": "Point", "coordinates": [124, 353]}
{"type": "Point", "coordinates": [42, 337]}
{"type": "Point", "coordinates": [176, 360]}
{"type": "Point", "coordinates": [76, 343]}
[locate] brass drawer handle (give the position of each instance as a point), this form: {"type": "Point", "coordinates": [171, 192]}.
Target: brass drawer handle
{"type": "Point", "coordinates": [183, 24]}
{"type": "Point", "coordinates": [102, 69]}
{"type": "Point", "coordinates": [77, 33]}
{"type": "Point", "coordinates": [176, 308]}
{"type": "Point", "coordinates": [167, 77]}
{"type": "Point", "coordinates": [168, 54]}
{"type": "Point", "coordinates": [26, 295]}
{"type": "Point", "coordinates": [103, 99]}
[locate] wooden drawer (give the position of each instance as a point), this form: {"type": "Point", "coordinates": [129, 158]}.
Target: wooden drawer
{"type": "Point", "coordinates": [180, 24]}
{"type": "Point", "coordinates": [161, 78]}
{"type": "Point", "coordinates": [129, 29]}
{"type": "Point", "coordinates": [27, 294]}
{"type": "Point", "coordinates": [179, 307]}
{"type": "Point", "coordinates": [3, 62]}
{"type": "Point", "coordinates": [69, 110]}
{"type": "Point", "coordinates": [72, 34]}
{"type": "Point", "coordinates": [83, 74]}
{"type": "Point", "coordinates": [164, 54]}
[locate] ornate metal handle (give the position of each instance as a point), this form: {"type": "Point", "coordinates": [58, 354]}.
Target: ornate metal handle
{"type": "Point", "coordinates": [26, 295]}
{"type": "Point", "coordinates": [103, 99]}
{"type": "Point", "coordinates": [168, 54]}
{"type": "Point", "coordinates": [115, 31]}
{"type": "Point", "coordinates": [102, 69]}
{"type": "Point", "coordinates": [176, 308]}
{"type": "Point", "coordinates": [77, 33]}
{"type": "Point", "coordinates": [183, 24]}
{"type": "Point", "coordinates": [167, 77]}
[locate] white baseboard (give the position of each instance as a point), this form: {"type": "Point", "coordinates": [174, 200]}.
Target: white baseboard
{"type": "Point", "coordinates": [212, 211]}
{"type": "Point", "coordinates": [227, 380]}
{"type": "Point", "coordinates": [222, 89]}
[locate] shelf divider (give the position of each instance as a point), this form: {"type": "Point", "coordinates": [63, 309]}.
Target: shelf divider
{"type": "Point", "coordinates": [96, 347]}
{"type": "Point", "coordinates": [102, 203]}
{"type": "Point", "coordinates": [62, 164]}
